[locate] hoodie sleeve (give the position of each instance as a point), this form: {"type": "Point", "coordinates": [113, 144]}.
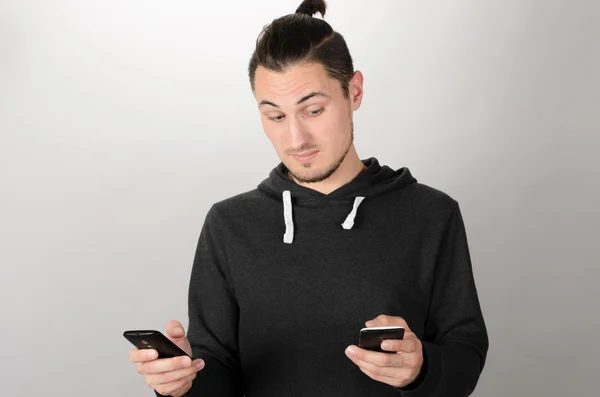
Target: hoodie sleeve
{"type": "Point", "coordinates": [213, 318]}
{"type": "Point", "coordinates": [455, 339]}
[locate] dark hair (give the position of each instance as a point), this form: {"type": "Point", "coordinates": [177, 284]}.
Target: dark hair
{"type": "Point", "coordinates": [297, 38]}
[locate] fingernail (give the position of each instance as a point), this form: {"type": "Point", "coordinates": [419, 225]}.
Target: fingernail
{"type": "Point", "coordinates": [151, 354]}
{"type": "Point", "coordinates": [350, 350]}
{"type": "Point", "coordinates": [200, 364]}
{"type": "Point", "coordinates": [386, 345]}
{"type": "Point", "coordinates": [185, 361]}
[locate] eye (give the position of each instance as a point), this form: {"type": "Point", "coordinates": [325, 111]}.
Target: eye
{"type": "Point", "coordinates": [316, 112]}
{"type": "Point", "coordinates": [275, 118]}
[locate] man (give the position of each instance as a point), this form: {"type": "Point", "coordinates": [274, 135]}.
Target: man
{"type": "Point", "coordinates": [285, 275]}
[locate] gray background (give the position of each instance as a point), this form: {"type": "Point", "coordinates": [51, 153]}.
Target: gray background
{"type": "Point", "coordinates": [122, 121]}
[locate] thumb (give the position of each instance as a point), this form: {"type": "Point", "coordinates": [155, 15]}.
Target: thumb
{"type": "Point", "coordinates": [372, 323]}
{"type": "Point", "coordinates": [378, 321]}
{"type": "Point", "coordinates": [176, 334]}
{"type": "Point", "coordinates": [175, 330]}
{"type": "Point", "coordinates": [384, 320]}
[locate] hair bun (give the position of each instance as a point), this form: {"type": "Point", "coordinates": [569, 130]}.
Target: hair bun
{"type": "Point", "coordinates": [311, 7]}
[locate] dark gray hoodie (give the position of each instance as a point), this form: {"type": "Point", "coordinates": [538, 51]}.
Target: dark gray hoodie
{"type": "Point", "coordinates": [284, 277]}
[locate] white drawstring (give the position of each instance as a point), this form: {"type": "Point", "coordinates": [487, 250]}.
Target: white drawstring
{"type": "Point", "coordinates": [349, 222]}
{"type": "Point", "coordinates": [288, 237]}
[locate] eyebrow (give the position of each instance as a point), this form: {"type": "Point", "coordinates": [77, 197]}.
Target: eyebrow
{"type": "Point", "coordinates": [303, 99]}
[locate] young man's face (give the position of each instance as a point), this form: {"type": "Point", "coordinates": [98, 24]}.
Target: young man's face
{"type": "Point", "coordinates": [307, 118]}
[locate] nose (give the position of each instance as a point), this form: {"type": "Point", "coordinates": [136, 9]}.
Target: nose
{"type": "Point", "coordinates": [298, 133]}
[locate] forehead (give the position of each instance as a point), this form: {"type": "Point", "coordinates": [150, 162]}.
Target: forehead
{"type": "Point", "coordinates": [291, 83]}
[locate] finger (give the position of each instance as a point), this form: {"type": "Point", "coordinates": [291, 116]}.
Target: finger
{"type": "Point", "coordinates": [161, 367]}
{"type": "Point", "coordinates": [380, 359]}
{"type": "Point", "coordinates": [167, 364]}
{"type": "Point", "coordinates": [392, 345]}
{"type": "Point", "coordinates": [384, 379]}
{"type": "Point", "coordinates": [168, 388]}
{"type": "Point", "coordinates": [409, 345]}
{"type": "Point", "coordinates": [142, 355]}
{"type": "Point", "coordinates": [411, 360]}
{"type": "Point", "coordinates": [375, 369]}
{"type": "Point", "coordinates": [172, 376]}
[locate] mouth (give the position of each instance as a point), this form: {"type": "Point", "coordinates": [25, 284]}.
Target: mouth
{"type": "Point", "coordinates": [305, 157]}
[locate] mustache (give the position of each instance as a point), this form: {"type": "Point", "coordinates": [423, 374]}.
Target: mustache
{"type": "Point", "coordinates": [303, 148]}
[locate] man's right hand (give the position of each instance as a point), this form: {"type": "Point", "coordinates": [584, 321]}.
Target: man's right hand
{"type": "Point", "coordinates": [168, 376]}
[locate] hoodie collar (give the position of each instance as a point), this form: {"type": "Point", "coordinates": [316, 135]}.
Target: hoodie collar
{"type": "Point", "coordinates": [370, 182]}
{"type": "Point", "coordinates": [373, 180]}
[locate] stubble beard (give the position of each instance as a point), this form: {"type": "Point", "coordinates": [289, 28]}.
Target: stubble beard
{"type": "Point", "coordinates": [333, 167]}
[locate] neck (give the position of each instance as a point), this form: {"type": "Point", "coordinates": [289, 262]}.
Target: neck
{"type": "Point", "coordinates": [346, 172]}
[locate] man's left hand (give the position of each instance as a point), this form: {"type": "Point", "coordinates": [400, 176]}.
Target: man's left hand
{"type": "Point", "coordinates": [401, 365]}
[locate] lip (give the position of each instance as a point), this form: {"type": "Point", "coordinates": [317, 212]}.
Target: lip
{"type": "Point", "coordinates": [305, 157]}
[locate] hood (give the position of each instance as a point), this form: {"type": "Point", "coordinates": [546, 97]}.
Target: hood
{"type": "Point", "coordinates": [372, 181]}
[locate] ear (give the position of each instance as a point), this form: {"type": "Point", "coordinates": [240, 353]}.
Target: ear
{"type": "Point", "coordinates": [355, 90]}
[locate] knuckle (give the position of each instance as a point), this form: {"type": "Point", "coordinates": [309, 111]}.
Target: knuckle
{"type": "Point", "coordinates": [365, 371]}
{"type": "Point", "coordinates": [386, 360]}
{"type": "Point", "coordinates": [411, 360]}
{"type": "Point", "coordinates": [188, 379]}
{"type": "Point", "coordinates": [406, 362]}
{"type": "Point", "coordinates": [382, 318]}
{"type": "Point", "coordinates": [148, 381]}
{"type": "Point", "coordinates": [169, 377]}
{"type": "Point", "coordinates": [134, 356]}
{"type": "Point", "coordinates": [372, 368]}
{"type": "Point", "coordinates": [174, 363]}
{"type": "Point", "coordinates": [149, 368]}
{"type": "Point", "coordinates": [416, 361]}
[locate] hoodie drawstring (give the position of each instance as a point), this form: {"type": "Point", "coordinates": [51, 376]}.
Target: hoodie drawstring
{"type": "Point", "coordinates": [288, 237]}
{"type": "Point", "coordinates": [349, 222]}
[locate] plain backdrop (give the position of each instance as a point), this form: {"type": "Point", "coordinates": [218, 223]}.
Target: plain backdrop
{"type": "Point", "coordinates": [122, 121]}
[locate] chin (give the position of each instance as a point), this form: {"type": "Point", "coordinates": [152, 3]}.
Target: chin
{"type": "Point", "coordinates": [311, 172]}
{"type": "Point", "coordinates": [304, 174]}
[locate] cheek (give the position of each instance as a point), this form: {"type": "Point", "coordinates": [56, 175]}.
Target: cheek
{"type": "Point", "coordinates": [336, 128]}
{"type": "Point", "coordinates": [269, 129]}
{"type": "Point", "coordinates": [276, 137]}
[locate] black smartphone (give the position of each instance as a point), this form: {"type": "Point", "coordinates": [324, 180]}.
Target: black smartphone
{"type": "Point", "coordinates": [151, 339]}
{"type": "Point", "coordinates": [371, 338]}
